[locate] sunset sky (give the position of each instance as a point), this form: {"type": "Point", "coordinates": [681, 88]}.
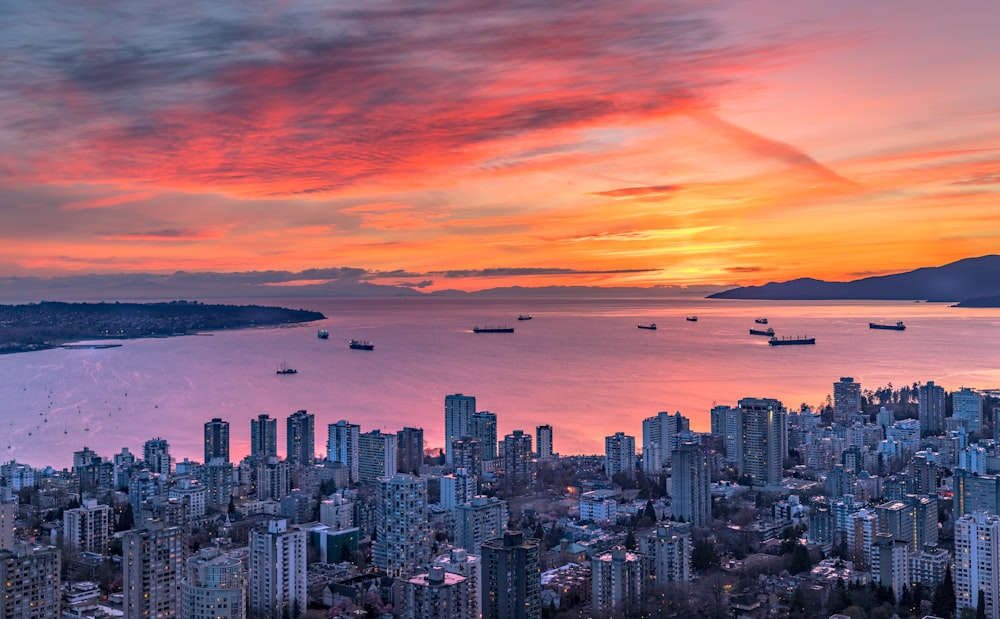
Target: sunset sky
{"type": "Point", "coordinates": [459, 144]}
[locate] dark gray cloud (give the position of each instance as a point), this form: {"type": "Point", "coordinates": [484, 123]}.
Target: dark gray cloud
{"type": "Point", "coordinates": [325, 282]}
{"type": "Point", "coordinates": [426, 283]}
{"type": "Point", "coordinates": [530, 271]}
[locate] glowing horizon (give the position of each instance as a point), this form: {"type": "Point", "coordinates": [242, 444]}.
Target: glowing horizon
{"type": "Point", "coordinates": [460, 145]}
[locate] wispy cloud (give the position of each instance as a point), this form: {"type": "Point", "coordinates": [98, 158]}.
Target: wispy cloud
{"type": "Point", "coordinates": [104, 201]}
{"type": "Point", "coordinates": [299, 99]}
{"type": "Point", "coordinates": [640, 193]}
{"type": "Point", "coordinates": [770, 149]}
{"type": "Point", "coordinates": [642, 235]}
{"type": "Point", "coordinates": [986, 178]}
{"type": "Point", "coordinates": [449, 137]}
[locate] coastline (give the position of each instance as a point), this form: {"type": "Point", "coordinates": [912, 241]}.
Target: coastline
{"type": "Point", "coordinates": [50, 325]}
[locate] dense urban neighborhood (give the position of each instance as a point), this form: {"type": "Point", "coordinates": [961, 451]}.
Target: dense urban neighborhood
{"type": "Point", "coordinates": [881, 503]}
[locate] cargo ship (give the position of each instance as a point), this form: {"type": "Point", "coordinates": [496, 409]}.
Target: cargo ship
{"type": "Point", "coordinates": [503, 329]}
{"type": "Point", "coordinates": [790, 341]}
{"type": "Point", "coordinates": [899, 326]}
{"type": "Point", "coordinates": [361, 345]}
{"type": "Point", "coordinates": [769, 331]}
{"type": "Point", "coordinates": [760, 321]}
{"type": "Point", "coordinates": [524, 316]}
{"type": "Point", "coordinates": [651, 326]}
{"type": "Point", "coordinates": [691, 319]}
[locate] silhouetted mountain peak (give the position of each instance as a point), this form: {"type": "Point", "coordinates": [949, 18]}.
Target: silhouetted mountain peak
{"type": "Point", "coordinates": [964, 279]}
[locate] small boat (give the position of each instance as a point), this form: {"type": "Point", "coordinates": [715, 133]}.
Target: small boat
{"type": "Point", "coordinates": [491, 329]}
{"type": "Point", "coordinates": [524, 316]}
{"type": "Point", "coordinates": [791, 341]}
{"type": "Point", "coordinates": [323, 334]}
{"type": "Point", "coordinates": [761, 320]}
{"type": "Point", "coordinates": [284, 369]}
{"type": "Point", "coordinates": [651, 326]}
{"type": "Point", "coordinates": [899, 326]}
{"type": "Point", "coordinates": [691, 319]}
{"type": "Point", "coordinates": [769, 331]}
{"type": "Point", "coordinates": [361, 345]}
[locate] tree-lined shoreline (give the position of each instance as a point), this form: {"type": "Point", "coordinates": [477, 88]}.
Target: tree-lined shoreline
{"type": "Point", "coordinates": [45, 325]}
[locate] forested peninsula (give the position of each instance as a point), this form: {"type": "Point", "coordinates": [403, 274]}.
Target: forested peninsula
{"type": "Point", "coordinates": [38, 326]}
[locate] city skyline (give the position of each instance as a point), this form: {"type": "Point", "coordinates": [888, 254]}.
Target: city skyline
{"type": "Point", "coordinates": [450, 147]}
{"type": "Point", "coordinates": [852, 491]}
{"type": "Point", "coordinates": [307, 151]}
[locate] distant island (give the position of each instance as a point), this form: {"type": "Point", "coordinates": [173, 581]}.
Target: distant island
{"type": "Point", "coordinates": [39, 326]}
{"type": "Point", "coordinates": [973, 282]}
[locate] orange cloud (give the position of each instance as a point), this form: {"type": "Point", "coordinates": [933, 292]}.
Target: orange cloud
{"type": "Point", "coordinates": [634, 144]}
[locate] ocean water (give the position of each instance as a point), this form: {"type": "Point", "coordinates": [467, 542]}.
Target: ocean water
{"type": "Point", "coordinates": [580, 365]}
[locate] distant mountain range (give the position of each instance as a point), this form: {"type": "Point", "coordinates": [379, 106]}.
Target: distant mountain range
{"type": "Point", "coordinates": [334, 282]}
{"type": "Point", "coordinates": [973, 282]}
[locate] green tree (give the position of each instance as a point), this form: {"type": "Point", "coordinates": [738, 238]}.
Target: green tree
{"type": "Point", "coordinates": [630, 541]}
{"type": "Point", "coordinates": [839, 600]}
{"type": "Point", "coordinates": [555, 536]}
{"type": "Point", "coordinates": [797, 605]}
{"type": "Point", "coordinates": [623, 480]}
{"type": "Point", "coordinates": [854, 612]}
{"type": "Point", "coordinates": [704, 555]}
{"type": "Point", "coordinates": [943, 602]}
{"type": "Point", "coordinates": [842, 551]}
{"type": "Point", "coordinates": [883, 594]}
{"type": "Point", "coordinates": [789, 540]}
{"type": "Point", "coordinates": [918, 597]}
{"type": "Point", "coordinates": [801, 561]}
{"type": "Point", "coordinates": [906, 600]}
{"type": "Point", "coordinates": [539, 531]}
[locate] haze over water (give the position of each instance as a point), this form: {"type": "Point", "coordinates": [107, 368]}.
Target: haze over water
{"type": "Point", "coordinates": [580, 365]}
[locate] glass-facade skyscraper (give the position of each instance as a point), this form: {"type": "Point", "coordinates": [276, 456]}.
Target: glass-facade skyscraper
{"type": "Point", "coordinates": [216, 440]}
{"type": "Point", "coordinates": [263, 437]}
{"type": "Point", "coordinates": [300, 438]}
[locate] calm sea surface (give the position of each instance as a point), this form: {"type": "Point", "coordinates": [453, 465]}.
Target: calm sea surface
{"type": "Point", "coordinates": [581, 366]}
